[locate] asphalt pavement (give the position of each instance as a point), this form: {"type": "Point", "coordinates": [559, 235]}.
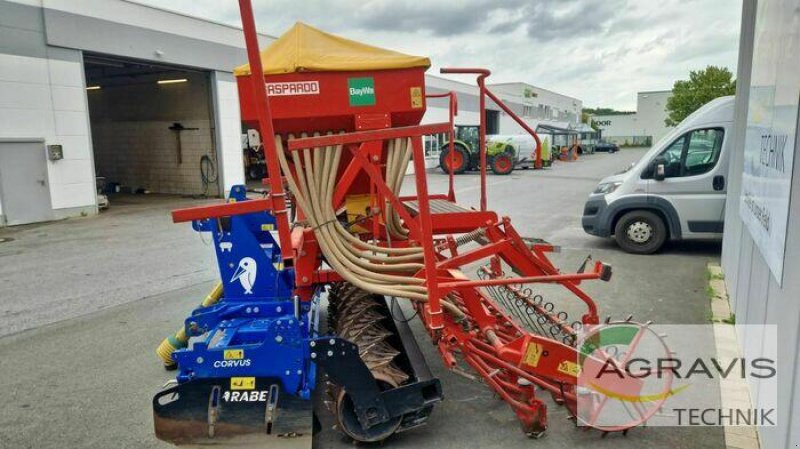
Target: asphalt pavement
{"type": "Point", "coordinates": [84, 303]}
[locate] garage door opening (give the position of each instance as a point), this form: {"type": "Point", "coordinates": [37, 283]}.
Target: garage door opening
{"type": "Point", "coordinates": [152, 127]}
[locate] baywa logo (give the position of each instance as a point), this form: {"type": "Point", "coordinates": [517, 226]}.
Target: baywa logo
{"type": "Point", "coordinates": [361, 91]}
{"type": "Point", "coordinates": [628, 376]}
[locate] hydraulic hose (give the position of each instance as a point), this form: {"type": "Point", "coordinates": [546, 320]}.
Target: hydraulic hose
{"type": "Point", "coordinates": [179, 339]}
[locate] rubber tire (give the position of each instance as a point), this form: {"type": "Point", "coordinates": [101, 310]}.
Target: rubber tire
{"type": "Point", "coordinates": [506, 167]}
{"type": "Point", "coordinates": [256, 172]}
{"type": "Point", "coordinates": [655, 242]}
{"type": "Point", "coordinates": [465, 158]}
{"type": "Point", "coordinates": [347, 422]}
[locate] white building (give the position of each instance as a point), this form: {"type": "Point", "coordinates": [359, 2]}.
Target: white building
{"type": "Point", "coordinates": [543, 107]}
{"type": "Point", "coordinates": [541, 103]}
{"type": "Point", "coordinates": [146, 99]}
{"type": "Point", "coordinates": [642, 128]}
{"type": "Point", "coordinates": [54, 50]}
{"type": "Point", "coordinates": [761, 262]}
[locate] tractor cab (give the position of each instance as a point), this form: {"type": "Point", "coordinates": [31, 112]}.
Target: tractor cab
{"type": "Point", "coordinates": [468, 134]}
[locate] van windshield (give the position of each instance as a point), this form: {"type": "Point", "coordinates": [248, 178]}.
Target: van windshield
{"type": "Point", "coordinates": [670, 136]}
{"type": "Point", "coordinates": [678, 128]}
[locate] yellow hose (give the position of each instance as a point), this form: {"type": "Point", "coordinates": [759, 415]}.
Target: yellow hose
{"type": "Point", "coordinates": [179, 340]}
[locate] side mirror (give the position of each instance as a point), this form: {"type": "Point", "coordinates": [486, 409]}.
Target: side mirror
{"type": "Point", "coordinates": [659, 169]}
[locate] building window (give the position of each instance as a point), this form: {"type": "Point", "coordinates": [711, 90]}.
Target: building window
{"type": "Point", "coordinates": [527, 111]}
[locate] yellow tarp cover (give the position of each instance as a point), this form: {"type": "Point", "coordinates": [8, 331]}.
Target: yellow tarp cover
{"type": "Point", "coordinates": [306, 49]}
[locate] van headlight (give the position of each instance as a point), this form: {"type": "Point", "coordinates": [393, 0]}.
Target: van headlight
{"type": "Point", "coordinates": [607, 187]}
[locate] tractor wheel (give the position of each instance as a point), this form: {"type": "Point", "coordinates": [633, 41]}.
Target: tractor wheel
{"type": "Point", "coordinates": [502, 164]}
{"type": "Point", "coordinates": [460, 161]}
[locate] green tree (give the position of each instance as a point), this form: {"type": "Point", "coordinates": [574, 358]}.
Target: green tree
{"type": "Point", "coordinates": [701, 87]}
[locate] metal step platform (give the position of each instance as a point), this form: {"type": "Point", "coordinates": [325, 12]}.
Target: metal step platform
{"type": "Point", "coordinates": [448, 217]}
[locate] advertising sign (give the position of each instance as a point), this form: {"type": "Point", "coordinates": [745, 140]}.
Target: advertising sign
{"type": "Point", "coordinates": [772, 123]}
{"type": "Point", "coordinates": [362, 91]}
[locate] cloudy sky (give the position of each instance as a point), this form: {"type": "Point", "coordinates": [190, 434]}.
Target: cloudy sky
{"type": "Point", "coordinates": [600, 51]}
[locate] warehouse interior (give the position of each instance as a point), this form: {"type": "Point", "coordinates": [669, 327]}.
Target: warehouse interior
{"type": "Point", "coordinates": [152, 127]}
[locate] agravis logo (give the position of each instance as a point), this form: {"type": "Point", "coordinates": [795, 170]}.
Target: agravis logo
{"type": "Point", "coordinates": [629, 376]}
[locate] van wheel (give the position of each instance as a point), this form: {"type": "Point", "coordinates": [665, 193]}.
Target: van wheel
{"type": "Point", "coordinates": [640, 232]}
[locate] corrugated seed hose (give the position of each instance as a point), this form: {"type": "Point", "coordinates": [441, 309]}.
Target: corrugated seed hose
{"type": "Point", "coordinates": [358, 262]}
{"type": "Point", "coordinates": [363, 264]}
{"type": "Point", "coordinates": [179, 340]}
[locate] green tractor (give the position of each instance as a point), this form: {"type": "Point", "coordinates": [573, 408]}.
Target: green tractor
{"type": "Point", "coordinates": [500, 158]}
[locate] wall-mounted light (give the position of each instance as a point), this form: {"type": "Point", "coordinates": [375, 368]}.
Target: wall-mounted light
{"type": "Point", "coordinates": [92, 87]}
{"type": "Point", "coordinates": [175, 81]}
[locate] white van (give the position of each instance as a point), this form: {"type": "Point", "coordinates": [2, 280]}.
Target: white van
{"type": "Point", "coordinates": [676, 191]}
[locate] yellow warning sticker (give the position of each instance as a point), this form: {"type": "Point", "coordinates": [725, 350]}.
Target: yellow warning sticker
{"type": "Point", "coordinates": [533, 354]}
{"type": "Point", "coordinates": [416, 97]}
{"type": "Point", "coordinates": [233, 354]}
{"type": "Point", "coordinates": [569, 368]}
{"type": "Point", "coordinates": [267, 227]}
{"type": "Point", "coordinates": [243, 383]}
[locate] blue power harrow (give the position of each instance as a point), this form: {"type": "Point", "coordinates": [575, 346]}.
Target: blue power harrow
{"type": "Point", "coordinates": [250, 368]}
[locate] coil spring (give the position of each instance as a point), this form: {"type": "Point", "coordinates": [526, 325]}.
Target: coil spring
{"type": "Point", "coordinates": [532, 311]}
{"type": "Point", "coordinates": [471, 236]}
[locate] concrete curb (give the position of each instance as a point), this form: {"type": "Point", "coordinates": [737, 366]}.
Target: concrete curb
{"type": "Point", "coordinates": [734, 393]}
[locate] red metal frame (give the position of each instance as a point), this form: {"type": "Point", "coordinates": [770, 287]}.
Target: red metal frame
{"type": "Point", "coordinates": [496, 342]}
{"type": "Point", "coordinates": [276, 193]}
{"type": "Point", "coordinates": [452, 110]}
{"type": "Point", "coordinates": [483, 93]}
{"type": "Point", "coordinates": [475, 327]}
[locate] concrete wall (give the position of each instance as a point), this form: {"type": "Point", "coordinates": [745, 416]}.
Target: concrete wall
{"type": "Point", "coordinates": [619, 128]}
{"type": "Point", "coordinates": [647, 122]}
{"type": "Point", "coordinates": [544, 104]}
{"type": "Point", "coordinates": [133, 144]}
{"type": "Point", "coordinates": [42, 96]}
{"type": "Point", "coordinates": [229, 126]}
{"type": "Point", "coordinates": [651, 112]}
{"type": "Point", "coordinates": [42, 86]}
{"type": "Point", "coordinates": [143, 32]}
{"type": "Point", "coordinates": [756, 296]}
